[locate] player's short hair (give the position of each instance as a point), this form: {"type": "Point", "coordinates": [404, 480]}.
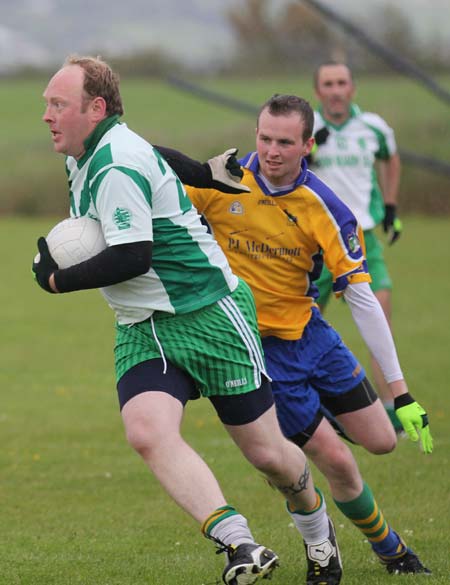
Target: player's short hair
{"type": "Point", "coordinates": [99, 81]}
{"type": "Point", "coordinates": [283, 104]}
{"type": "Point", "coordinates": [330, 63]}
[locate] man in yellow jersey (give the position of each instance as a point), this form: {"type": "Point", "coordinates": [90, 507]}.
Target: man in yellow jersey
{"type": "Point", "coordinates": [275, 238]}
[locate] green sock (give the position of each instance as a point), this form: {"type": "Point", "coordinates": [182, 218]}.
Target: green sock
{"type": "Point", "coordinates": [365, 514]}
{"type": "Point", "coordinates": [390, 410]}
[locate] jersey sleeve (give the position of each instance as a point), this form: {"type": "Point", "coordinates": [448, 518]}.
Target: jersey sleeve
{"type": "Point", "coordinates": [318, 122]}
{"type": "Point", "coordinates": [387, 146]}
{"type": "Point", "coordinates": [340, 238]}
{"type": "Point", "coordinates": [123, 204]}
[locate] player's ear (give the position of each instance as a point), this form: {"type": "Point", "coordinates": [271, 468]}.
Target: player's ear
{"type": "Point", "coordinates": [98, 108]}
{"type": "Point", "coordinates": [308, 146]}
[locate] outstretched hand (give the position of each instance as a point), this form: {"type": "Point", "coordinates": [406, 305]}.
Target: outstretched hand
{"type": "Point", "coordinates": [414, 420]}
{"type": "Point", "coordinates": [227, 173]}
{"type": "Point", "coordinates": [44, 265]}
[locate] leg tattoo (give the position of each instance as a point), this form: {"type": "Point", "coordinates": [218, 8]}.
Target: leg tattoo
{"type": "Point", "coordinates": [298, 487]}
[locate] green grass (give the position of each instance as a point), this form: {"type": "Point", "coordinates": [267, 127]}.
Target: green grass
{"type": "Point", "coordinates": [79, 507]}
{"type": "Point", "coordinates": [32, 178]}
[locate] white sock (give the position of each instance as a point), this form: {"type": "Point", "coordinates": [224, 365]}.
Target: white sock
{"type": "Point", "coordinates": [314, 526]}
{"type": "Point", "coordinates": [233, 530]}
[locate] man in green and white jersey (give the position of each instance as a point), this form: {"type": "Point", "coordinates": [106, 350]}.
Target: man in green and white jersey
{"type": "Point", "coordinates": [185, 324]}
{"type": "Point", "coordinates": [356, 155]}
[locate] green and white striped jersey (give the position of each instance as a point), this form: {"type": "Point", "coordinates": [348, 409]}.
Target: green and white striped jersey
{"type": "Point", "coordinates": [123, 182]}
{"type": "Point", "coordinates": [345, 162]}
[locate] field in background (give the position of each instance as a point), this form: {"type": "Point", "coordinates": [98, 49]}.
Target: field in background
{"type": "Point", "coordinates": [32, 177]}
{"type": "Point", "coordinates": [79, 507]}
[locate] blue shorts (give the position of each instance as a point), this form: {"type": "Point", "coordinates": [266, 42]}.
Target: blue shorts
{"type": "Point", "coordinates": [304, 372]}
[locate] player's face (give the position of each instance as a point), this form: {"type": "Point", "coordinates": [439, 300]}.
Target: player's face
{"type": "Point", "coordinates": [68, 113]}
{"type": "Point", "coordinates": [335, 91]}
{"type": "Point", "coordinates": [280, 146]}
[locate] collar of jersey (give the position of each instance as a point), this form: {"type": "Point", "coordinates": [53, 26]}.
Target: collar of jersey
{"type": "Point", "coordinates": [251, 162]}
{"type": "Point", "coordinates": [354, 112]}
{"type": "Point", "coordinates": [94, 138]}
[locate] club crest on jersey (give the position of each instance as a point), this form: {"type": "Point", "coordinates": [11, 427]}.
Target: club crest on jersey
{"type": "Point", "coordinates": [237, 208]}
{"type": "Point", "coordinates": [353, 243]}
{"type": "Point", "coordinates": [122, 218]}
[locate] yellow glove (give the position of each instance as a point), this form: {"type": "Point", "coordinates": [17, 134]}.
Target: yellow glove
{"type": "Point", "coordinates": [414, 420]}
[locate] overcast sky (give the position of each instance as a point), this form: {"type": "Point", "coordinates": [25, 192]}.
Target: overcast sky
{"type": "Point", "coordinates": [196, 30]}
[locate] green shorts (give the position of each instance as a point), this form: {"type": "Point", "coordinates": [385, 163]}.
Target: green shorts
{"type": "Point", "coordinates": [218, 346]}
{"type": "Point", "coordinates": [375, 262]}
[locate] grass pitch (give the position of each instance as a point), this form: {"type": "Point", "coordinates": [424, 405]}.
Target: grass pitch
{"type": "Point", "coordinates": [79, 507]}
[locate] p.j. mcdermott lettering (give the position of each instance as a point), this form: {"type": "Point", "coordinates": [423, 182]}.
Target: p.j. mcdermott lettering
{"type": "Point", "coordinates": [252, 247]}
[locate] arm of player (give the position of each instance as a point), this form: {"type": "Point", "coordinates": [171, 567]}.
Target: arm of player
{"type": "Point", "coordinates": [373, 326]}
{"type": "Point", "coordinates": [222, 172]}
{"type": "Point", "coordinates": [389, 178]}
{"type": "Point", "coordinates": [113, 265]}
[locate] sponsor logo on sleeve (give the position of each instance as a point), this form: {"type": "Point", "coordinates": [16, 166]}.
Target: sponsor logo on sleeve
{"type": "Point", "coordinates": [353, 243]}
{"type": "Point", "coordinates": [122, 218]}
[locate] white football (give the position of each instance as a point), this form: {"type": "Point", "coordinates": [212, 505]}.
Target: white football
{"type": "Point", "coordinates": [75, 240]}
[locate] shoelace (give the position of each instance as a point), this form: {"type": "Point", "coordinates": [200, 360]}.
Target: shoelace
{"type": "Point", "coordinates": [221, 546]}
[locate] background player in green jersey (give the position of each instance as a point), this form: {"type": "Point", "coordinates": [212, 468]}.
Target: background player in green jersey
{"type": "Point", "coordinates": [185, 323]}
{"type": "Point", "coordinates": [356, 155]}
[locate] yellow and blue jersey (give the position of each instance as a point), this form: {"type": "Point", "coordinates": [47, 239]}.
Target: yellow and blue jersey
{"type": "Point", "coordinates": [277, 242]}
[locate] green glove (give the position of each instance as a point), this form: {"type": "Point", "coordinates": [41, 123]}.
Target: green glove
{"type": "Point", "coordinates": [414, 420]}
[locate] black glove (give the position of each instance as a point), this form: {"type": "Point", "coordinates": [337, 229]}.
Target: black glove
{"type": "Point", "coordinates": [226, 173]}
{"type": "Point", "coordinates": [321, 136]}
{"type": "Point", "coordinates": [391, 223]}
{"type": "Point", "coordinates": [44, 265]}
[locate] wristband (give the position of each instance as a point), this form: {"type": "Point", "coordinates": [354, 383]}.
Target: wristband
{"type": "Point", "coordinates": [403, 400]}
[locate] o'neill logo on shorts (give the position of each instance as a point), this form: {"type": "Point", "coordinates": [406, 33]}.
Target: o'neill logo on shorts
{"type": "Point", "coordinates": [236, 383]}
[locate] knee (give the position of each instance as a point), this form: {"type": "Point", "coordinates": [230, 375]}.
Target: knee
{"type": "Point", "coordinates": [336, 462]}
{"type": "Point", "coordinates": [383, 444]}
{"type": "Point", "coordinates": [277, 458]}
{"type": "Point", "coordinates": [342, 463]}
{"type": "Point", "coordinates": [265, 460]}
{"type": "Point", "coordinates": [269, 458]}
{"type": "Point", "coordinates": [141, 438]}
